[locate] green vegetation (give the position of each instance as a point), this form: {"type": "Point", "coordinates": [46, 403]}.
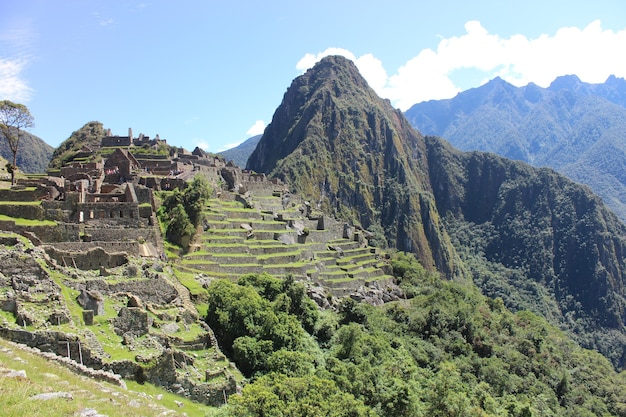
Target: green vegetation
{"type": "Point", "coordinates": [43, 376]}
{"type": "Point", "coordinates": [89, 135]}
{"type": "Point", "coordinates": [447, 351]}
{"type": "Point", "coordinates": [181, 211]}
{"type": "Point", "coordinates": [27, 222]}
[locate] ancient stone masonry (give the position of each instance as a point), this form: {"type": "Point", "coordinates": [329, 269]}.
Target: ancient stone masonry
{"type": "Point", "coordinates": [102, 198]}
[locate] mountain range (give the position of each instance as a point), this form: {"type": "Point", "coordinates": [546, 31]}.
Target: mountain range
{"type": "Point", "coordinates": [576, 128]}
{"type": "Point", "coordinates": [530, 236]}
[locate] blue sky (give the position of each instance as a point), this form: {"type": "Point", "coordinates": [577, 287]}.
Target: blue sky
{"type": "Point", "coordinates": [211, 73]}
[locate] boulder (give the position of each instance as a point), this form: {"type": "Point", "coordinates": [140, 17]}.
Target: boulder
{"type": "Point", "coordinates": [91, 300]}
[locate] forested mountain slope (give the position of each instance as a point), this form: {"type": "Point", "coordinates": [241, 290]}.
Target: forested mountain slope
{"type": "Point", "coordinates": [579, 129]}
{"type": "Point", "coordinates": [517, 227]}
{"type": "Point", "coordinates": [33, 153]}
{"type": "Point", "coordinates": [336, 142]}
{"type": "Point", "coordinates": [536, 239]}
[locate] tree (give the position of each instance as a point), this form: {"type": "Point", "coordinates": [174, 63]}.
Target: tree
{"type": "Point", "coordinates": [13, 118]}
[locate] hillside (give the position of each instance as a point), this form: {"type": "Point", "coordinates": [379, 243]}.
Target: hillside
{"type": "Point", "coordinates": [335, 141]}
{"type": "Point", "coordinates": [571, 126]}
{"type": "Point", "coordinates": [88, 136]}
{"type": "Point", "coordinates": [270, 297]}
{"type": "Point", "coordinates": [355, 157]}
{"type": "Point", "coordinates": [239, 154]}
{"type": "Point", "coordinates": [33, 153]}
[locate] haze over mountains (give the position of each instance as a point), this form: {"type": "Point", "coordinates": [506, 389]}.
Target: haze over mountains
{"type": "Point", "coordinates": [577, 128]}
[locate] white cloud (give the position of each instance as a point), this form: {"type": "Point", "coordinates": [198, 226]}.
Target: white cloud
{"type": "Point", "coordinates": [203, 145]}
{"type": "Point", "coordinates": [591, 53]}
{"type": "Point", "coordinates": [15, 44]}
{"type": "Point", "coordinates": [256, 129]}
{"type": "Point", "coordinates": [12, 85]}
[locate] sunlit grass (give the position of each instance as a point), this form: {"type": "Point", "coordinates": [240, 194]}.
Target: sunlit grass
{"type": "Point", "coordinates": [44, 376]}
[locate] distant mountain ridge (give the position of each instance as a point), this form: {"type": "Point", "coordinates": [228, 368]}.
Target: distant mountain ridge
{"type": "Point", "coordinates": [240, 153]}
{"type": "Point", "coordinates": [577, 128]}
{"type": "Point", "coordinates": [530, 236]}
{"type": "Point", "coordinates": [33, 153]}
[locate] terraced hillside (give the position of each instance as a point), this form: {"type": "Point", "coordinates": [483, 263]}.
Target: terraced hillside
{"type": "Point", "coordinates": [262, 234]}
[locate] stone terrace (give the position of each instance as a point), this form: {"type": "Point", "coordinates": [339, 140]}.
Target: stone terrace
{"type": "Point", "coordinates": [281, 241]}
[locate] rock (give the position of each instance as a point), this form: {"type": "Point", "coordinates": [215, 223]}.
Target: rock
{"type": "Point", "coordinates": [17, 374]}
{"type": "Point", "coordinates": [133, 320]}
{"type": "Point", "coordinates": [134, 404]}
{"type": "Point", "coordinates": [170, 328]}
{"type": "Point", "coordinates": [90, 412]}
{"type": "Point", "coordinates": [91, 300]}
{"type": "Point", "coordinates": [52, 395]}
{"type": "Point", "coordinates": [134, 301]}
{"type": "Point", "coordinates": [88, 317]}
{"type": "Point", "coordinates": [286, 239]}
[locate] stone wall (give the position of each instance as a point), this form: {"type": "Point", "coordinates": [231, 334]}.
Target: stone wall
{"type": "Point", "coordinates": [25, 194]}
{"type": "Point", "coordinates": [93, 258]}
{"type": "Point", "coordinates": [59, 210]}
{"type": "Point", "coordinates": [120, 213]}
{"type": "Point", "coordinates": [74, 248]}
{"type": "Point", "coordinates": [62, 232]}
{"type": "Point", "coordinates": [43, 344]}
{"type": "Point", "coordinates": [122, 234]}
{"type": "Point", "coordinates": [114, 141]}
{"type": "Point", "coordinates": [24, 211]}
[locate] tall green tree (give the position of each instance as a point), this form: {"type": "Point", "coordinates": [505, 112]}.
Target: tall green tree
{"type": "Point", "coordinates": [13, 118]}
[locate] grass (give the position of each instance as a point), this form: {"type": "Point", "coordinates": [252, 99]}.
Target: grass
{"type": "Point", "coordinates": [27, 222]}
{"type": "Point", "coordinates": [20, 203]}
{"type": "Point", "coordinates": [188, 279]}
{"type": "Point", "coordinates": [44, 376]}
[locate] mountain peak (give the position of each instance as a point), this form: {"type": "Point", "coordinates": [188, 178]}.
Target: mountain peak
{"type": "Point", "coordinates": [565, 82]}
{"type": "Point", "coordinates": [336, 142]}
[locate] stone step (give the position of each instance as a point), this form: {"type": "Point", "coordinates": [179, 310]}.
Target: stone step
{"type": "Point", "coordinates": [212, 238]}
{"type": "Point", "coordinates": [232, 258]}
{"type": "Point", "coordinates": [228, 232]}
{"type": "Point", "coordinates": [356, 259]}
{"type": "Point", "coordinates": [280, 258]}
{"type": "Point", "coordinates": [232, 269]}
{"type": "Point", "coordinates": [283, 270]}
{"type": "Point", "coordinates": [258, 224]}
{"type": "Point", "coordinates": [276, 248]}
{"type": "Point", "coordinates": [214, 216]}
{"type": "Point", "coordinates": [344, 244]}
{"type": "Point", "coordinates": [222, 248]}
{"type": "Point", "coordinates": [249, 214]}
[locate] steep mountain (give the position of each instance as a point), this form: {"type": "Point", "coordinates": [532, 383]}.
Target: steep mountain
{"type": "Point", "coordinates": [336, 142]}
{"type": "Point", "coordinates": [537, 240]}
{"type": "Point", "coordinates": [89, 135]}
{"type": "Point", "coordinates": [240, 154]}
{"type": "Point", "coordinates": [33, 153]}
{"type": "Point", "coordinates": [571, 126]}
{"type": "Point", "coordinates": [528, 235]}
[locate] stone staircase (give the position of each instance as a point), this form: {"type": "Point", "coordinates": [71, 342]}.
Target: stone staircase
{"type": "Point", "coordinates": [267, 238]}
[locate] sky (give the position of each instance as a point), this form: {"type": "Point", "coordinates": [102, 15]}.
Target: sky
{"type": "Point", "coordinates": [211, 73]}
